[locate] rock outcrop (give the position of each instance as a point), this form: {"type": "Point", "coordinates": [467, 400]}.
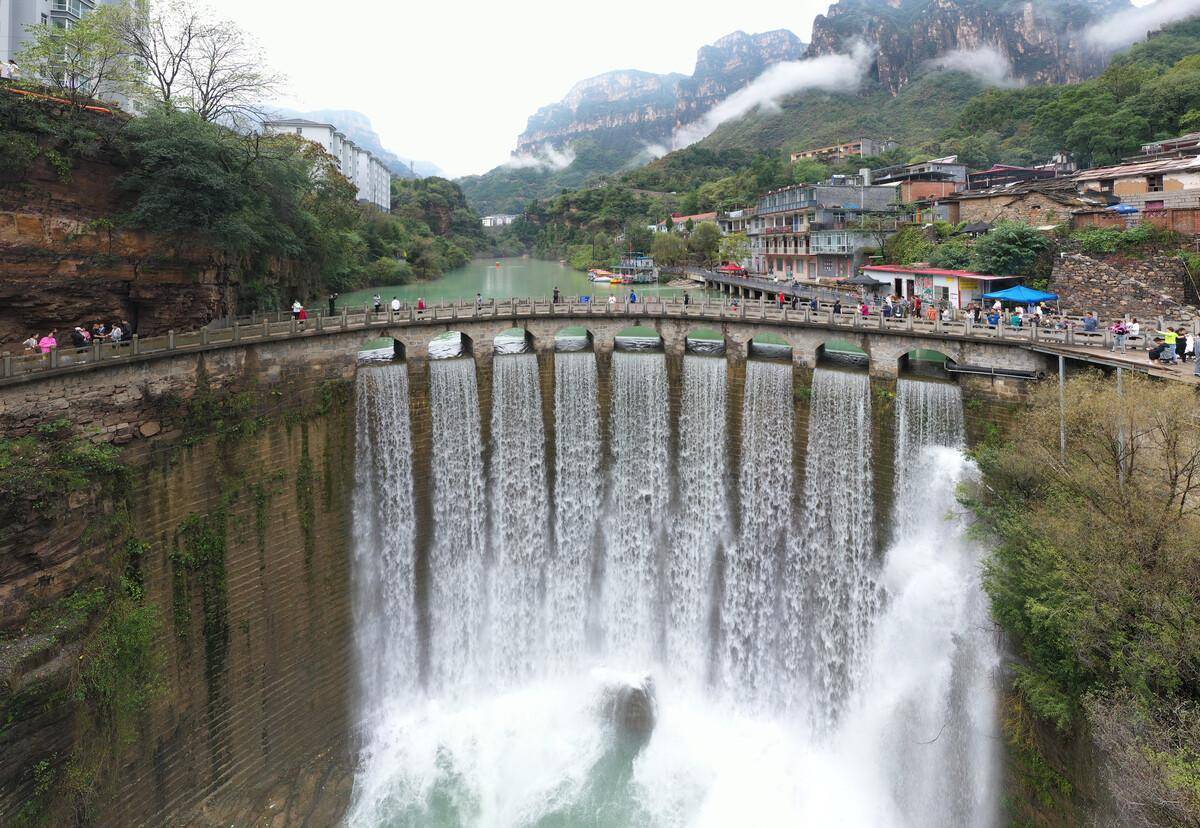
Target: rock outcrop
{"type": "Point", "coordinates": [1042, 41]}
{"type": "Point", "coordinates": [633, 108]}
{"type": "Point", "coordinates": [63, 261]}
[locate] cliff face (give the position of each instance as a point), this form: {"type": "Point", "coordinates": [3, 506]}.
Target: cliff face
{"type": "Point", "coordinates": [1042, 41]}
{"type": "Point", "coordinates": [632, 107]}
{"type": "Point", "coordinates": [63, 263]}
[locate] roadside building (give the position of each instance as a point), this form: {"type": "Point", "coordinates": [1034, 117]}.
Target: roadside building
{"type": "Point", "coordinates": [820, 231]}
{"type": "Point", "coordinates": [370, 175]}
{"type": "Point", "coordinates": [499, 219]}
{"type": "Point", "coordinates": [935, 285]}
{"type": "Point", "coordinates": [856, 148]}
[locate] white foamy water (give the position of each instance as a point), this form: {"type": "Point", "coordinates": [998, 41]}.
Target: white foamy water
{"type": "Point", "coordinates": [906, 732]}
{"type": "Point", "coordinates": [701, 522]}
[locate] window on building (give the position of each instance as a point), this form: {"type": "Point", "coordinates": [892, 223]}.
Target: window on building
{"type": "Point", "coordinates": [1154, 183]}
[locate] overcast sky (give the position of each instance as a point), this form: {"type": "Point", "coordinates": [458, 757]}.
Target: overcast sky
{"type": "Point", "coordinates": [454, 82]}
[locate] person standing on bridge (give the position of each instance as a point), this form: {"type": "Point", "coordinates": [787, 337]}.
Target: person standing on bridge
{"type": "Point", "coordinates": [837, 308]}
{"type": "Point", "coordinates": [556, 296]}
{"type": "Point", "coordinates": [479, 300]}
{"type": "Point", "coordinates": [395, 304]}
{"type": "Point", "coordinates": [1119, 333]}
{"type": "Point", "coordinates": [1168, 355]}
{"type": "Point", "coordinates": [296, 308]}
{"type": "Point", "coordinates": [378, 303]}
{"type": "Point", "coordinates": [332, 301]}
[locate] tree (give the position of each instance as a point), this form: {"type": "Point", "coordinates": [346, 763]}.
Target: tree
{"type": "Point", "coordinates": [809, 172]}
{"type": "Point", "coordinates": [669, 249]}
{"type": "Point", "coordinates": [704, 242]}
{"type": "Point", "coordinates": [1009, 249]}
{"type": "Point", "coordinates": [162, 43]}
{"type": "Point", "coordinates": [735, 248]}
{"type": "Point", "coordinates": [82, 61]}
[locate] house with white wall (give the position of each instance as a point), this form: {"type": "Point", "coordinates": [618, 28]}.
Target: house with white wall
{"type": "Point", "coordinates": [369, 174]}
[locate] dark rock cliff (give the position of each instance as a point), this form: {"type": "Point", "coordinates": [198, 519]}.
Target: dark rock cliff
{"type": "Point", "coordinates": [1042, 41]}
{"type": "Point", "coordinates": [632, 107]}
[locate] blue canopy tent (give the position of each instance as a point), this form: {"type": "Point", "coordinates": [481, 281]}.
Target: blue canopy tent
{"type": "Point", "coordinates": [1123, 209]}
{"type": "Point", "coordinates": [1021, 295]}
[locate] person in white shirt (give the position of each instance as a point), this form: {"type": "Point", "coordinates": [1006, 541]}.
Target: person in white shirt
{"type": "Point", "coordinates": [395, 304]}
{"type": "Point", "coordinates": [296, 307]}
{"type": "Point", "coordinates": [14, 71]}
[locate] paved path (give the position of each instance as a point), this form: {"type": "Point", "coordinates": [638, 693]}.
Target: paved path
{"type": "Point", "coordinates": [1134, 360]}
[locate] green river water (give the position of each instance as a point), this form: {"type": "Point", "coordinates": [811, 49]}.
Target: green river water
{"type": "Point", "coordinates": [500, 279]}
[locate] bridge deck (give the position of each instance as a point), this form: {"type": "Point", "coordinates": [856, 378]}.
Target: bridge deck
{"type": "Point", "coordinates": [280, 326]}
{"type": "Point", "coordinates": [1133, 360]}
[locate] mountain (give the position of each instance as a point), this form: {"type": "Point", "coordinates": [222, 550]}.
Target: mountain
{"type": "Point", "coordinates": [1042, 42]}
{"type": "Point", "coordinates": [644, 109]}
{"type": "Point", "coordinates": [619, 119]}
{"type": "Point", "coordinates": [358, 129]}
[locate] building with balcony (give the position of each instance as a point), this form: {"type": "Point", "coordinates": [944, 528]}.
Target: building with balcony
{"type": "Point", "coordinates": [366, 172]}
{"type": "Point", "coordinates": [857, 148]}
{"type": "Point", "coordinates": [819, 231]}
{"type": "Point", "coordinates": [16, 16]}
{"type": "Point", "coordinates": [925, 180]}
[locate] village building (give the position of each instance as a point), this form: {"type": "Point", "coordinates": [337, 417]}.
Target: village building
{"type": "Point", "coordinates": [679, 222]}
{"type": "Point", "coordinates": [819, 231]}
{"type": "Point", "coordinates": [1041, 203]}
{"type": "Point", "coordinates": [366, 172]}
{"type": "Point", "coordinates": [856, 148]}
{"type": "Point", "coordinates": [499, 219]}
{"type": "Point", "coordinates": [922, 181]}
{"type": "Point", "coordinates": [935, 285]}
{"type": "Point", "coordinates": [1151, 185]}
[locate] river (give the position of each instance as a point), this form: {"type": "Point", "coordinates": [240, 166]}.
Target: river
{"type": "Point", "coordinates": [499, 279]}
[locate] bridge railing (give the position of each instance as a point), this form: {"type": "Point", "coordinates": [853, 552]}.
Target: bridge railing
{"type": "Point", "coordinates": [278, 326]}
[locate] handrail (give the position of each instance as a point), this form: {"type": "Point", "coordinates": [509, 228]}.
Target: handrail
{"type": "Point", "coordinates": [281, 326]}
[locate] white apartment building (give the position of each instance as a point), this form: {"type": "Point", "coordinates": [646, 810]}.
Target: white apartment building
{"type": "Point", "coordinates": [499, 219]}
{"type": "Point", "coordinates": [16, 16]}
{"type": "Point", "coordinates": [370, 175]}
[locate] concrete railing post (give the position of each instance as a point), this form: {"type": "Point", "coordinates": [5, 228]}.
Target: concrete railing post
{"type": "Point", "coordinates": [237, 332]}
{"type": "Point", "coordinates": [7, 363]}
{"type": "Point", "coordinates": [266, 329]}
{"type": "Point", "coordinates": [95, 351]}
{"type": "Point", "coordinates": [137, 343]}
{"type": "Point", "coordinates": [171, 340]}
{"type": "Point", "coordinates": [292, 325]}
{"type": "Point", "coordinates": [54, 357]}
{"type": "Point", "coordinates": [204, 336]}
{"type": "Point", "coordinates": [345, 318]}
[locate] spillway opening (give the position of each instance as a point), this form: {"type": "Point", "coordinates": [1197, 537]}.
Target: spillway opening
{"type": "Point", "coordinates": [450, 344]}
{"type": "Point", "coordinates": [927, 364]}
{"type": "Point", "coordinates": [573, 340]}
{"type": "Point", "coordinates": [704, 342]}
{"type": "Point", "coordinates": [514, 341]}
{"type": "Point", "coordinates": [382, 349]}
{"type": "Point", "coordinates": [770, 346]}
{"type": "Point", "coordinates": [638, 338]}
{"type": "Point", "coordinates": [838, 353]}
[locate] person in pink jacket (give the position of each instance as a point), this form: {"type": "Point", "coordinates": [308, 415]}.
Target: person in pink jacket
{"type": "Point", "coordinates": [48, 343]}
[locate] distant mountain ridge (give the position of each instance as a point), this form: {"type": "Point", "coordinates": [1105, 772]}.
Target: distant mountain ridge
{"type": "Point", "coordinates": [358, 128]}
{"type": "Point", "coordinates": [638, 109]}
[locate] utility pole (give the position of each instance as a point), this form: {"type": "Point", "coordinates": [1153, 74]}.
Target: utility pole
{"type": "Point", "coordinates": [1062, 409]}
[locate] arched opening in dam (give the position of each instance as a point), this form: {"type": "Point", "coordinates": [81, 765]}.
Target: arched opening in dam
{"type": "Point", "coordinates": [926, 362]}
{"type": "Point", "coordinates": [704, 341]}
{"type": "Point", "coordinates": [843, 354]}
{"type": "Point", "coordinates": [514, 341]}
{"type": "Point", "coordinates": [382, 349]}
{"type": "Point", "coordinates": [598, 607]}
{"type": "Point", "coordinates": [450, 344]}
{"type": "Point", "coordinates": [770, 346]}
{"type": "Point", "coordinates": [573, 338]}
{"type": "Point", "coordinates": [638, 338]}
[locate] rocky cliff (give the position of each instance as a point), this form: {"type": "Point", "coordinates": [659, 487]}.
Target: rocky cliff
{"type": "Point", "coordinates": [63, 262]}
{"type": "Point", "coordinates": [634, 108]}
{"type": "Point", "coordinates": [1042, 41]}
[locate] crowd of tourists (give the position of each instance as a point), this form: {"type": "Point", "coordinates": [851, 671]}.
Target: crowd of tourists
{"type": "Point", "coordinates": [78, 337]}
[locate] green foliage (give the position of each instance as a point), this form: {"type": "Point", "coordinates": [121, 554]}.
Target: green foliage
{"type": "Point", "coordinates": [908, 246]}
{"type": "Point", "coordinates": [703, 243]}
{"type": "Point", "coordinates": [1102, 241]}
{"type": "Point", "coordinates": [955, 254]}
{"type": "Point", "coordinates": [669, 249]}
{"type": "Point", "coordinates": [735, 247]}
{"type": "Point", "coordinates": [83, 60]}
{"type": "Point", "coordinates": [39, 471]}
{"type": "Point", "coordinates": [1009, 249]}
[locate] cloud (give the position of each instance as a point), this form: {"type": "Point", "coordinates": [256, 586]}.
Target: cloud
{"type": "Point", "coordinates": [834, 73]}
{"type": "Point", "coordinates": [548, 158]}
{"type": "Point", "coordinates": [987, 63]}
{"type": "Point", "coordinates": [1131, 25]}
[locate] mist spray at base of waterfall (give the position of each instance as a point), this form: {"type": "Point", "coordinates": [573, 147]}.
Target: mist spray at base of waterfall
{"type": "Point", "coordinates": [913, 741]}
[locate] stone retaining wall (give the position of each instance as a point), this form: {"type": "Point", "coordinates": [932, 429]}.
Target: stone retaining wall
{"type": "Point", "coordinates": [1146, 289]}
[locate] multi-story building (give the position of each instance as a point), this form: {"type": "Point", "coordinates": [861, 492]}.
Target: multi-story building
{"type": "Point", "coordinates": [820, 230]}
{"type": "Point", "coordinates": [857, 148]}
{"type": "Point", "coordinates": [370, 175]}
{"type": "Point", "coordinates": [499, 219]}
{"type": "Point", "coordinates": [16, 16]}
{"type": "Point", "coordinates": [925, 180]}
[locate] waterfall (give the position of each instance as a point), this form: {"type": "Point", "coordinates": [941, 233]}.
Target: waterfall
{"type": "Point", "coordinates": [456, 590]}
{"type": "Point", "coordinates": [849, 688]}
{"type": "Point", "coordinates": [750, 612]}
{"type": "Point", "coordinates": [929, 700]}
{"type": "Point", "coordinates": [639, 489]}
{"type": "Point", "coordinates": [700, 521]}
{"type": "Point", "coordinates": [577, 494]}
{"type": "Point", "coordinates": [385, 614]}
{"type": "Point", "coordinates": [520, 519]}
{"type": "Point", "coordinates": [830, 579]}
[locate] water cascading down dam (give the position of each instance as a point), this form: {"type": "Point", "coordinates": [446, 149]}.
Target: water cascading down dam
{"type": "Point", "coordinates": [650, 620]}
